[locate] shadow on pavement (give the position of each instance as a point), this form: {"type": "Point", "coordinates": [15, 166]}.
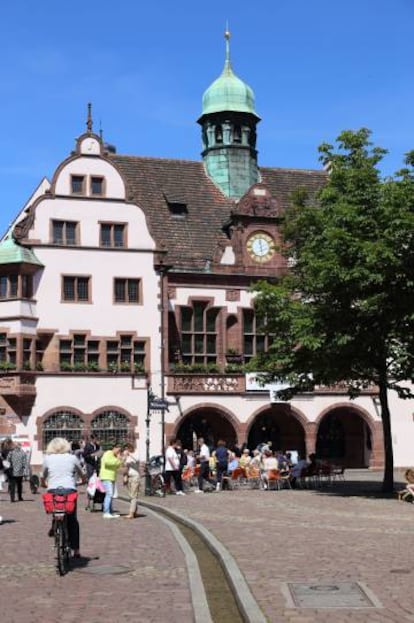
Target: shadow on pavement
{"type": "Point", "coordinates": [359, 488]}
{"type": "Point", "coordinates": [81, 563]}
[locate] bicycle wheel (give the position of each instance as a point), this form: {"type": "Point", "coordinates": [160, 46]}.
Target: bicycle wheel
{"type": "Point", "coordinates": [62, 547]}
{"type": "Point", "coordinates": [158, 485]}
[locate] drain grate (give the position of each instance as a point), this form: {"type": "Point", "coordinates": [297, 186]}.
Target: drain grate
{"type": "Point", "coordinates": [107, 570]}
{"type": "Point", "coordinates": [338, 595]}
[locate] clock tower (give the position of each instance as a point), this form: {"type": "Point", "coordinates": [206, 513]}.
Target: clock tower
{"type": "Point", "coordinates": [228, 122]}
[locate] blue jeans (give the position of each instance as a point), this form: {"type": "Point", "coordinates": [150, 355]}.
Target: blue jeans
{"type": "Point", "coordinates": [109, 492]}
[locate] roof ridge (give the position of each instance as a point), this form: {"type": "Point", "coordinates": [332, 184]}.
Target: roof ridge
{"type": "Point", "coordinates": [294, 169]}
{"type": "Point", "coordinates": [114, 156]}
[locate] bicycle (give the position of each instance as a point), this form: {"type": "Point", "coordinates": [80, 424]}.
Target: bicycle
{"type": "Point", "coordinates": [59, 505]}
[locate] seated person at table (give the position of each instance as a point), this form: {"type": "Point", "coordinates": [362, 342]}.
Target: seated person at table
{"type": "Point", "coordinates": [269, 464]}
{"type": "Point", "coordinates": [256, 460]}
{"type": "Point", "coordinates": [233, 463]}
{"type": "Point", "coordinates": [245, 458]}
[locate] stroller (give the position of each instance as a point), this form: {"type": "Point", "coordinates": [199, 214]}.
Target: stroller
{"type": "Point", "coordinates": [95, 493]}
{"type": "Point", "coordinates": [155, 470]}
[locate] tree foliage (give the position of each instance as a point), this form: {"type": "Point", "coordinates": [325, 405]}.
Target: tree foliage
{"type": "Point", "coordinates": [345, 313]}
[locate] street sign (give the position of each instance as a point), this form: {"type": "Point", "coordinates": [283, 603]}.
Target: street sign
{"type": "Point", "coordinates": [159, 403]}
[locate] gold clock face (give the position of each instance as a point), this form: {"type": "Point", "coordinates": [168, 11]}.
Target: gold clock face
{"type": "Point", "coordinates": [261, 247]}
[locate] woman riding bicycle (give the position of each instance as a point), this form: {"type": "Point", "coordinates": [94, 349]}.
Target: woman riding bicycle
{"type": "Point", "coordinates": [61, 471]}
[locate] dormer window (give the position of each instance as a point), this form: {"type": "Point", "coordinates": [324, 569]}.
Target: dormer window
{"type": "Point", "coordinates": [97, 185]}
{"type": "Point", "coordinates": [77, 184]}
{"type": "Point", "coordinates": [178, 210]}
{"type": "Point", "coordinates": [177, 204]}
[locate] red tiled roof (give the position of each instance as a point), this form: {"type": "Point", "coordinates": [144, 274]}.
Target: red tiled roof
{"type": "Point", "coordinates": [193, 238]}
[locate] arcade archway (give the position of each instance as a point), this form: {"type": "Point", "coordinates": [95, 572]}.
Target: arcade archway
{"type": "Point", "coordinates": [208, 423]}
{"type": "Point", "coordinates": [344, 438]}
{"type": "Point", "coordinates": [280, 426]}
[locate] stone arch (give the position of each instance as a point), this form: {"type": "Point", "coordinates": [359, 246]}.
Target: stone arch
{"type": "Point", "coordinates": [280, 423]}
{"type": "Point", "coordinates": [207, 420]}
{"type": "Point", "coordinates": [348, 435]}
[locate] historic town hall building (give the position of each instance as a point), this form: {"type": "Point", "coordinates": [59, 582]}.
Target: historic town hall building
{"type": "Point", "coordinates": [126, 273]}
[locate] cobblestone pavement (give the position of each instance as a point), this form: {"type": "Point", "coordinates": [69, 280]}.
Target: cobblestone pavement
{"type": "Point", "coordinates": [154, 587]}
{"type": "Point", "coordinates": [343, 534]}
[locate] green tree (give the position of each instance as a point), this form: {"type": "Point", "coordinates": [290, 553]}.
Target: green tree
{"type": "Point", "coordinates": [345, 313]}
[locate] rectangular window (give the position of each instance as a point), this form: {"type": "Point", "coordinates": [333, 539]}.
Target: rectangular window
{"type": "Point", "coordinates": [126, 290]}
{"type": "Point", "coordinates": [199, 334]}
{"type": "Point", "coordinates": [76, 289]}
{"type": "Point", "coordinates": [15, 286]}
{"type": "Point", "coordinates": [126, 354]}
{"type": "Point", "coordinates": [4, 285]}
{"type": "Point", "coordinates": [27, 286]}
{"type": "Point", "coordinates": [7, 351]}
{"type": "Point", "coordinates": [27, 353]}
{"type": "Point", "coordinates": [112, 235]}
{"type": "Point", "coordinates": [97, 185]}
{"type": "Point", "coordinates": [65, 232]}
{"type": "Point", "coordinates": [78, 353]}
{"type": "Point", "coordinates": [255, 341]}
{"type": "Point", "coordinates": [77, 184]}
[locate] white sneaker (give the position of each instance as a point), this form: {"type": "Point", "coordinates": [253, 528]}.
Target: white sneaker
{"type": "Point", "coordinates": [198, 491]}
{"type": "Point", "coordinates": [179, 493]}
{"type": "Point", "coordinates": [110, 516]}
{"type": "Point", "coordinates": [218, 486]}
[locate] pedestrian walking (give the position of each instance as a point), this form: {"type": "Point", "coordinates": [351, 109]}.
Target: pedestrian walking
{"type": "Point", "coordinates": [222, 455]}
{"type": "Point", "coordinates": [204, 458]}
{"type": "Point", "coordinates": [173, 468]}
{"type": "Point", "coordinates": [17, 460]}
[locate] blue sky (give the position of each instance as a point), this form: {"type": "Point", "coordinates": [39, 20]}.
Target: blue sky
{"type": "Point", "coordinates": [316, 66]}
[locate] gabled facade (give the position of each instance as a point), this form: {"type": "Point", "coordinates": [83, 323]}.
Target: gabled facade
{"type": "Point", "coordinates": [126, 274]}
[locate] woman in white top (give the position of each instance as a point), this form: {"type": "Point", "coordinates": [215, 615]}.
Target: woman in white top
{"type": "Point", "coordinates": [62, 471]}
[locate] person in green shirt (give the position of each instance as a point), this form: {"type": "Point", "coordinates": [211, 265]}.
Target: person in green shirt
{"type": "Point", "coordinates": [110, 463]}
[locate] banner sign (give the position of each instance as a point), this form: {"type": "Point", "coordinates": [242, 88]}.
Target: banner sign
{"type": "Point", "coordinates": [254, 383]}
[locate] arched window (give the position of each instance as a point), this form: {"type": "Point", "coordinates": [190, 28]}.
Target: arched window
{"type": "Point", "coordinates": [110, 426]}
{"type": "Point", "coordinates": [64, 424]}
{"type": "Point", "coordinates": [219, 134]}
{"type": "Point", "coordinates": [237, 134]}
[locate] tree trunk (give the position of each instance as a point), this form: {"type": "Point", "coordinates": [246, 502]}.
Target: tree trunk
{"type": "Point", "coordinates": [388, 481]}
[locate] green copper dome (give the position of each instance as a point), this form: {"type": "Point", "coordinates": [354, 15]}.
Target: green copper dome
{"type": "Point", "coordinates": [228, 92]}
